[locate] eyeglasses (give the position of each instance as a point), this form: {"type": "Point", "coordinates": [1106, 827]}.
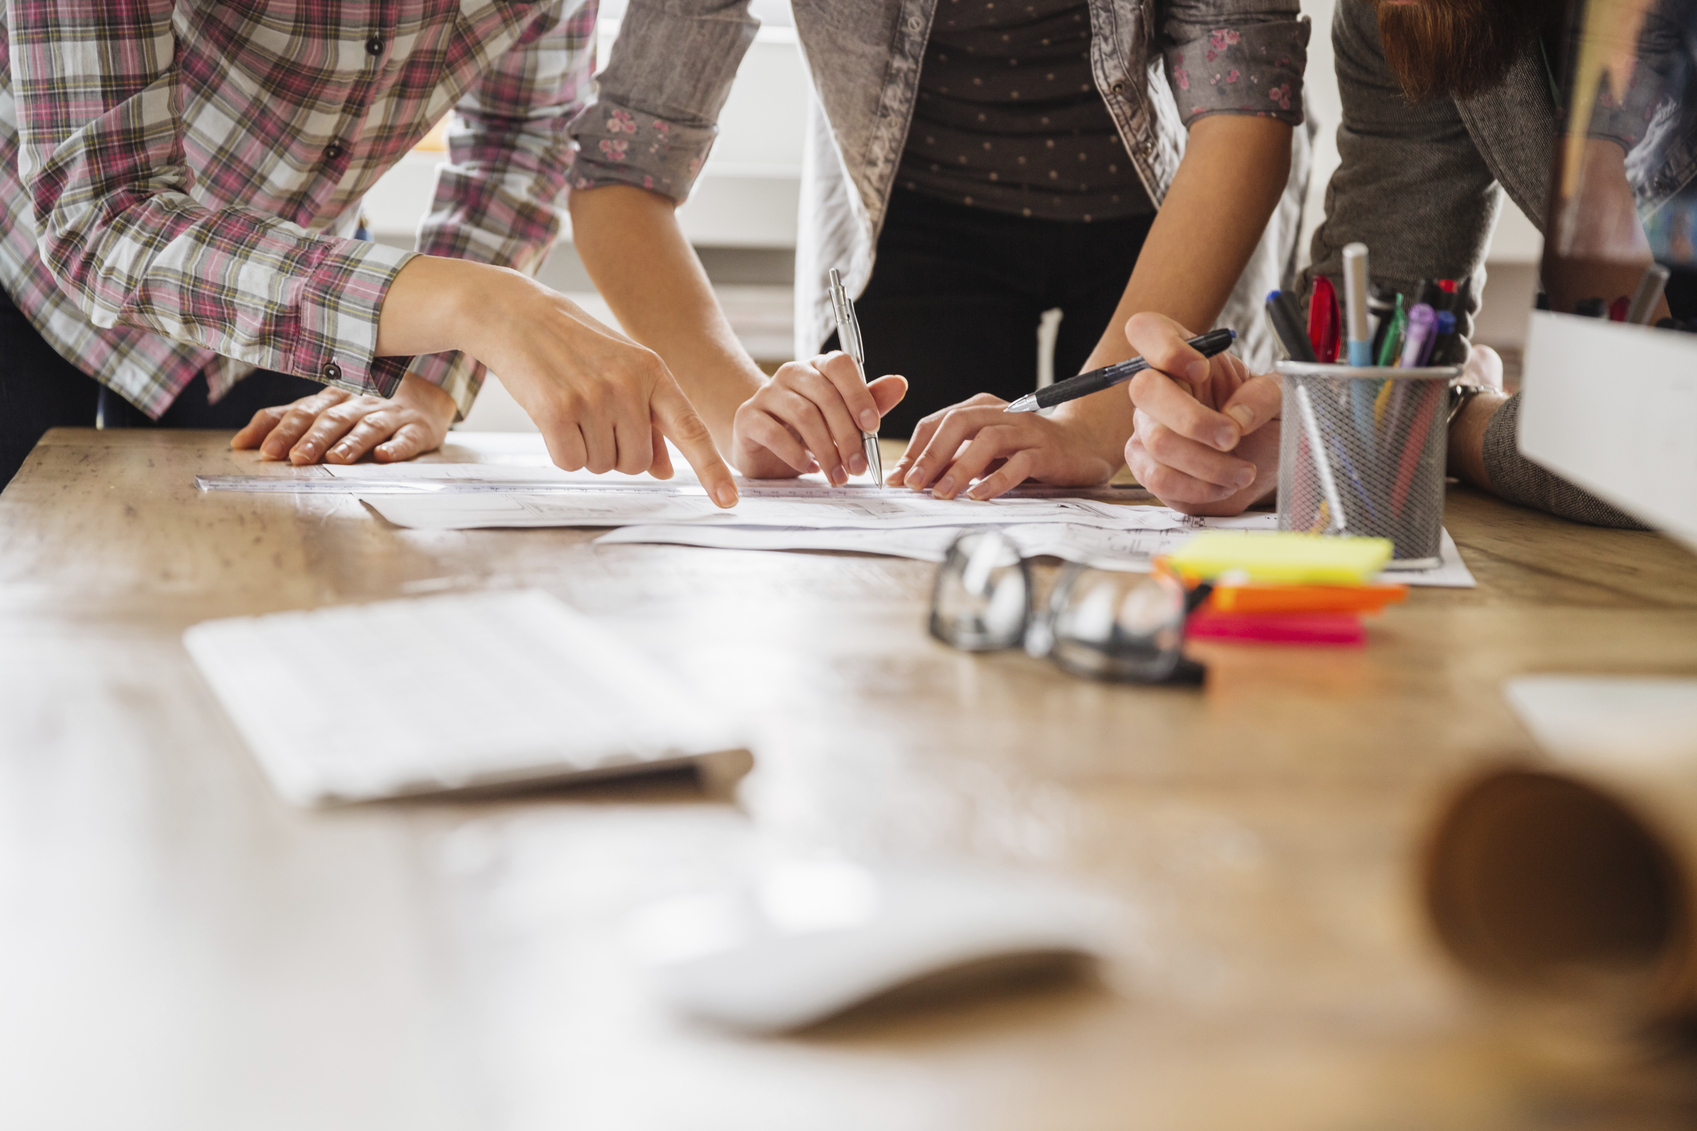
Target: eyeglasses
{"type": "Point", "coordinates": [1099, 623]}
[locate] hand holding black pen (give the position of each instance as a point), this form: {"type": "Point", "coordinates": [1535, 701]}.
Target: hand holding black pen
{"type": "Point", "coordinates": [1200, 440]}
{"type": "Point", "coordinates": [1209, 344]}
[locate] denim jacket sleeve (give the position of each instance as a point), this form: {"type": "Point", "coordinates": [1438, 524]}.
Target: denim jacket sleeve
{"type": "Point", "coordinates": [1235, 57]}
{"type": "Point", "coordinates": [666, 80]}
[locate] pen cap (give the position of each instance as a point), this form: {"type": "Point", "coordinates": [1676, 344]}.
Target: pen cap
{"type": "Point", "coordinates": [1355, 292]}
{"type": "Point", "coordinates": [1362, 452]}
{"type": "Point", "coordinates": [1418, 335]}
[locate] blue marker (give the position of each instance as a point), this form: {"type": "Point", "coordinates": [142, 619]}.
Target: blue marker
{"type": "Point", "coordinates": [1356, 331]}
{"type": "Point", "coordinates": [1360, 339]}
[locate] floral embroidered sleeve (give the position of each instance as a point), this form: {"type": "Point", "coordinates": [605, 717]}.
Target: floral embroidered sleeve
{"type": "Point", "coordinates": [659, 99]}
{"type": "Point", "coordinates": [1236, 58]}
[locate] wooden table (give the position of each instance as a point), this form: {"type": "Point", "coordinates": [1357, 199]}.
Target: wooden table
{"type": "Point", "coordinates": [180, 950]}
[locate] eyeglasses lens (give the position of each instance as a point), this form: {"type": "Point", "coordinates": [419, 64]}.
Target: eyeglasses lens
{"type": "Point", "coordinates": [1113, 625]}
{"type": "Point", "coordinates": [982, 599]}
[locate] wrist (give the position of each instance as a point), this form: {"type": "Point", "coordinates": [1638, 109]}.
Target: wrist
{"type": "Point", "coordinates": [1466, 452]}
{"type": "Point", "coordinates": [1095, 433]}
{"type": "Point", "coordinates": [480, 304]}
{"type": "Point", "coordinates": [427, 397]}
{"type": "Point", "coordinates": [718, 388]}
{"type": "Point", "coordinates": [435, 304]}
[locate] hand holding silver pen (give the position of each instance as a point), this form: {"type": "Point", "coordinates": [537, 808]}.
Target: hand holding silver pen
{"type": "Point", "coordinates": [848, 335]}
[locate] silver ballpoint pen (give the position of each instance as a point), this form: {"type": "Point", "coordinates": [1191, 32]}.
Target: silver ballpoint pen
{"type": "Point", "coordinates": [848, 335]}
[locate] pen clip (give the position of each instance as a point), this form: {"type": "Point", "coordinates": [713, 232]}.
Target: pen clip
{"type": "Point", "coordinates": [848, 325]}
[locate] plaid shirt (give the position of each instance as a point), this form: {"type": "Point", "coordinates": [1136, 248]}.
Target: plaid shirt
{"type": "Point", "coordinates": [179, 180]}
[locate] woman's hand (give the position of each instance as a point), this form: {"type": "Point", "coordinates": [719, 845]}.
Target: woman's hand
{"type": "Point", "coordinates": [1206, 442]}
{"type": "Point", "coordinates": [601, 401]}
{"type": "Point", "coordinates": [976, 438]}
{"type": "Point", "coordinates": [809, 417]}
{"type": "Point", "coordinates": [340, 427]}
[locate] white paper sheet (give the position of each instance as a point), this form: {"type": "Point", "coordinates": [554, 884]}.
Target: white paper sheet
{"type": "Point", "coordinates": [1127, 549]}
{"type": "Point", "coordinates": [545, 693]}
{"type": "Point", "coordinates": [812, 507]}
{"type": "Point", "coordinates": [354, 477]}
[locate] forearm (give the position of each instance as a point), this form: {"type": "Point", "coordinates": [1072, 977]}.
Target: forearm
{"type": "Point", "coordinates": [630, 242]}
{"type": "Point", "coordinates": [433, 301]}
{"type": "Point", "coordinates": [1227, 186]}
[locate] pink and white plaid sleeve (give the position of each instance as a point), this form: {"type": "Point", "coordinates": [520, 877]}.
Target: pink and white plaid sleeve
{"type": "Point", "coordinates": [501, 196]}
{"type": "Point", "coordinates": [102, 159]}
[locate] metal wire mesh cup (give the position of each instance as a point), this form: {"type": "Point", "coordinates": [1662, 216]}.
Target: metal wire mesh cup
{"type": "Point", "coordinates": [1362, 452]}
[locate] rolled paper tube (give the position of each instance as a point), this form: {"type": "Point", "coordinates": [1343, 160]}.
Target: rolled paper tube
{"type": "Point", "coordinates": [1577, 876]}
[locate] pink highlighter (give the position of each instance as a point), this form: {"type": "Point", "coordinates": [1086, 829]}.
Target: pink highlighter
{"type": "Point", "coordinates": [1277, 628]}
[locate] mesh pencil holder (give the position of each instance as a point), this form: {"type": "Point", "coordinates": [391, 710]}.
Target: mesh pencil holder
{"type": "Point", "coordinates": [1362, 451]}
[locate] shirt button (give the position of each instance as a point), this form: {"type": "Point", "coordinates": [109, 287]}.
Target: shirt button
{"type": "Point", "coordinates": [374, 45]}
{"type": "Point", "coordinates": [914, 23]}
{"type": "Point", "coordinates": [332, 372]}
{"type": "Point", "coordinates": [333, 151]}
{"type": "Point", "coordinates": [1118, 87]}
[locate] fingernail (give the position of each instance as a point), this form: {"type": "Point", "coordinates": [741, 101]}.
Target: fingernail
{"type": "Point", "coordinates": [837, 476]}
{"type": "Point", "coordinates": [1225, 439]}
{"type": "Point", "coordinates": [868, 420]}
{"type": "Point", "coordinates": [1196, 370]}
{"type": "Point", "coordinates": [1243, 414]}
{"type": "Point", "coordinates": [857, 464]}
{"type": "Point", "coordinates": [1244, 478]}
{"type": "Point", "coordinates": [945, 486]}
{"type": "Point", "coordinates": [916, 476]}
{"type": "Point", "coordinates": [345, 451]}
{"type": "Point", "coordinates": [726, 495]}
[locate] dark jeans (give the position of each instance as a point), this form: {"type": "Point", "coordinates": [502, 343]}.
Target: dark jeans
{"type": "Point", "coordinates": [41, 390]}
{"type": "Point", "coordinates": [958, 292]}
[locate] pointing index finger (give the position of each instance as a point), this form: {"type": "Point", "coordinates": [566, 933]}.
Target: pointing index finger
{"type": "Point", "coordinates": [680, 423]}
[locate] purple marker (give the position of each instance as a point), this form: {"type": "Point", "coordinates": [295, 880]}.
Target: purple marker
{"type": "Point", "coordinates": [1418, 336]}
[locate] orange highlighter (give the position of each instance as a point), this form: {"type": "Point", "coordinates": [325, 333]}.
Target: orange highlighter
{"type": "Point", "coordinates": [1305, 598]}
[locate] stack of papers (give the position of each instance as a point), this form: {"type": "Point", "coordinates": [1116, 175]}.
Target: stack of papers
{"type": "Point", "coordinates": [804, 515]}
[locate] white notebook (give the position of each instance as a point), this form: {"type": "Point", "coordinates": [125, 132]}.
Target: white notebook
{"type": "Point", "coordinates": [360, 702]}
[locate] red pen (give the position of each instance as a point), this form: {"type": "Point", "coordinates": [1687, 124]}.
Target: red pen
{"type": "Point", "coordinates": [1325, 324]}
{"type": "Point", "coordinates": [1619, 308]}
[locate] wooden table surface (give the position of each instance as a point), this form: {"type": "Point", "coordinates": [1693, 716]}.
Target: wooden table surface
{"type": "Point", "coordinates": [180, 950]}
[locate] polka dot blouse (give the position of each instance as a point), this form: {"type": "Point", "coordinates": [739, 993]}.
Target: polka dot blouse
{"type": "Point", "coordinates": [1009, 118]}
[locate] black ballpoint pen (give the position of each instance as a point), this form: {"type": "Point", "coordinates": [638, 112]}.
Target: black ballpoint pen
{"type": "Point", "coordinates": [1209, 344]}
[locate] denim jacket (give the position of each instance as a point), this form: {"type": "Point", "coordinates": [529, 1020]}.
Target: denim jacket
{"type": "Point", "coordinates": [1158, 67]}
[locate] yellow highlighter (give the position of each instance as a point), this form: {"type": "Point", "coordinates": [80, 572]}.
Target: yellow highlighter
{"type": "Point", "coordinates": [1284, 559]}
